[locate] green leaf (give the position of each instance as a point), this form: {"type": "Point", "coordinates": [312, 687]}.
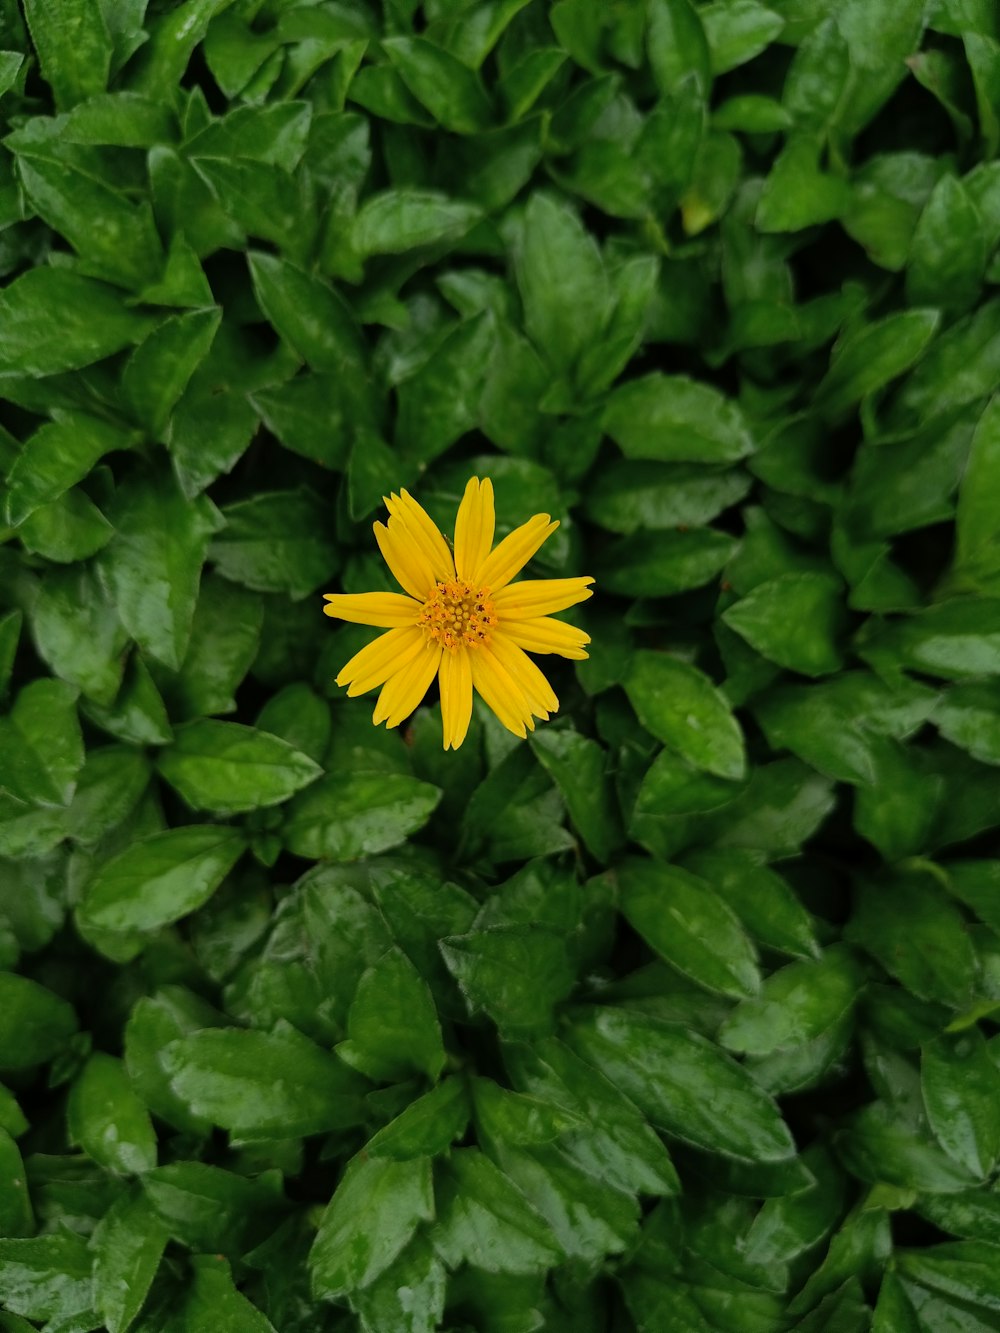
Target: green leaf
{"type": "Point", "coordinates": [516, 974]}
{"type": "Point", "coordinates": [634, 495]}
{"type": "Point", "coordinates": [686, 1086]}
{"type": "Point", "coordinates": [976, 884]}
{"type": "Point", "coordinates": [263, 1084]}
{"type": "Point", "coordinates": [47, 1277]}
{"type": "Point", "coordinates": [309, 314]}
{"type": "Point", "coordinates": [612, 1139]}
{"type": "Point", "coordinates": [77, 633]}
{"type": "Point", "coordinates": [965, 1270]}
{"type": "Point", "coordinates": [873, 355]}
{"type": "Point", "coordinates": [41, 747]}
{"type": "Point", "coordinates": [73, 46]}
{"type": "Point", "coordinates": [160, 878]}
{"type": "Point", "coordinates": [680, 917]}
{"type": "Point", "coordinates": [678, 45]}
{"type": "Point", "coordinates": [661, 564]}
{"type": "Point", "coordinates": [761, 899]}
{"type": "Point", "coordinates": [212, 1302]}
{"type": "Point", "coordinates": [56, 457]}
{"type": "Point", "coordinates": [225, 637]}
{"type": "Point", "coordinates": [278, 541]}
{"type": "Point", "coordinates": [450, 91]}
{"type": "Point", "coordinates": [977, 526]}
{"type": "Point", "coordinates": [153, 566]}
{"type": "Point", "coordinates": [674, 419]}
{"type": "Point", "coordinates": [35, 1024]}
{"type": "Point", "coordinates": [409, 1295]}
{"type": "Point", "coordinates": [342, 817]}
{"type": "Point", "coordinates": [961, 366]}
{"type": "Point", "coordinates": [159, 369]}
{"type": "Point", "coordinates": [54, 320]}
{"type": "Point", "coordinates": [960, 1086]}
{"type": "Point", "coordinates": [485, 1220]}
{"type": "Point", "coordinates": [174, 36]}
{"type": "Point", "coordinates": [16, 1218]}
{"type": "Point", "coordinates": [680, 706]}
{"type": "Point", "coordinates": [738, 31]}
{"type": "Point", "coordinates": [137, 714]}
{"type": "Point", "coordinates": [10, 634]}
{"type": "Point", "coordinates": [373, 1215]}
{"type": "Point", "coordinates": [969, 716]}
{"type": "Point", "coordinates": [209, 1209]}
{"type": "Point", "coordinates": [112, 781]}
{"type": "Point", "coordinates": [440, 402]}
{"type": "Point", "coordinates": [115, 238]}
{"type": "Point", "coordinates": [69, 529]}
{"type": "Point", "coordinates": [228, 768]}
{"type": "Point", "coordinates": [310, 415]}
{"type": "Point", "coordinates": [795, 620]}
{"type": "Point", "coordinates": [561, 278]}
{"type": "Point", "coordinates": [797, 1004]}
{"type": "Point", "coordinates": [588, 1219]}
{"type": "Point", "coordinates": [155, 1021]}
{"type": "Point", "coordinates": [393, 1027]}
{"type": "Point", "coordinates": [427, 1127]}
{"type": "Point", "coordinates": [107, 1119]}
{"type": "Point", "coordinates": [949, 250]}
{"type": "Point", "coordinates": [395, 221]}
{"type": "Point", "coordinates": [933, 957]}
{"type": "Point", "coordinates": [578, 766]}
{"type": "Point", "coordinates": [878, 1144]}
{"type": "Point", "coordinates": [797, 194]}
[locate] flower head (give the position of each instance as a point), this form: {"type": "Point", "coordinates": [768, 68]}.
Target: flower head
{"type": "Point", "coordinates": [460, 618]}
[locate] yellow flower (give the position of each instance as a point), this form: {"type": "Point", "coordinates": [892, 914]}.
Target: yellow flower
{"type": "Point", "coordinates": [461, 618]}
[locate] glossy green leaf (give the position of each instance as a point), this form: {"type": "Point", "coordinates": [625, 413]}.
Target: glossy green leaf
{"type": "Point", "coordinates": [35, 1024]}
{"type": "Point", "coordinates": [795, 620]}
{"type": "Point", "coordinates": [228, 768]}
{"type": "Point", "coordinates": [373, 1214]}
{"type": "Point", "coordinates": [689, 926]}
{"type": "Point", "coordinates": [56, 320]}
{"type": "Point", "coordinates": [108, 1120]}
{"type": "Point", "coordinates": [796, 1004]}
{"type": "Point", "coordinates": [392, 1026]}
{"type": "Point", "coordinates": [680, 706]}
{"type": "Point", "coordinates": [276, 542]}
{"type": "Point", "coordinates": [156, 531]}
{"type": "Point", "coordinates": [933, 957]}
{"type": "Point", "coordinates": [160, 878]}
{"type": "Point", "coordinates": [55, 458]}
{"type": "Point", "coordinates": [263, 1084]}
{"type": "Point", "coordinates": [449, 90]}
{"type": "Point", "coordinates": [960, 1084]}
{"type": "Point", "coordinates": [673, 419]}
{"type": "Point", "coordinates": [685, 1085]}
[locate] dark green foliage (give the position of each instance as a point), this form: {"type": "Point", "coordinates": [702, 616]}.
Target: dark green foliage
{"type": "Point", "coordinates": [680, 1015]}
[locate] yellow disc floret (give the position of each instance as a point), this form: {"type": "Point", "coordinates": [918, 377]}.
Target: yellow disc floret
{"type": "Point", "coordinates": [458, 615]}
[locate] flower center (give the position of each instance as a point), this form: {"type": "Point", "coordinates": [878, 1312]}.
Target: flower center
{"type": "Point", "coordinates": [457, 615]}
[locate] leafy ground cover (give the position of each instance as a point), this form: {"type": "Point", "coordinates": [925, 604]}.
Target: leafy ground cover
{"type": "Point", "coordinates": [677, 1015]}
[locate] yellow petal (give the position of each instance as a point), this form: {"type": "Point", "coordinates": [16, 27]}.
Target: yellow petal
{"type": "Point", "coordinates": [545, 635]}
{"type": "Point", "coordinates": [372, 608]}
{"type": "Point", "coordinates": [521, 669]}
{"type": "Point", "coordinates": [456, 697]}
{"type": "Point", "coordinates": [422, 531]}
{"type": "Point", "coordinates": [378, 660]}
{"type": "Point", "coordinates": [540, 597]}
{"type": "Point", "coordinates": [514, 552]}
{"type": "Point", "coordinates": [410, 568]}
{"type": "Point", "coordinates": [500, 693]}
{"type": "Point", "coordinates": [474, 527]}
{"type": "Point", "coordinates": [402, 692]}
